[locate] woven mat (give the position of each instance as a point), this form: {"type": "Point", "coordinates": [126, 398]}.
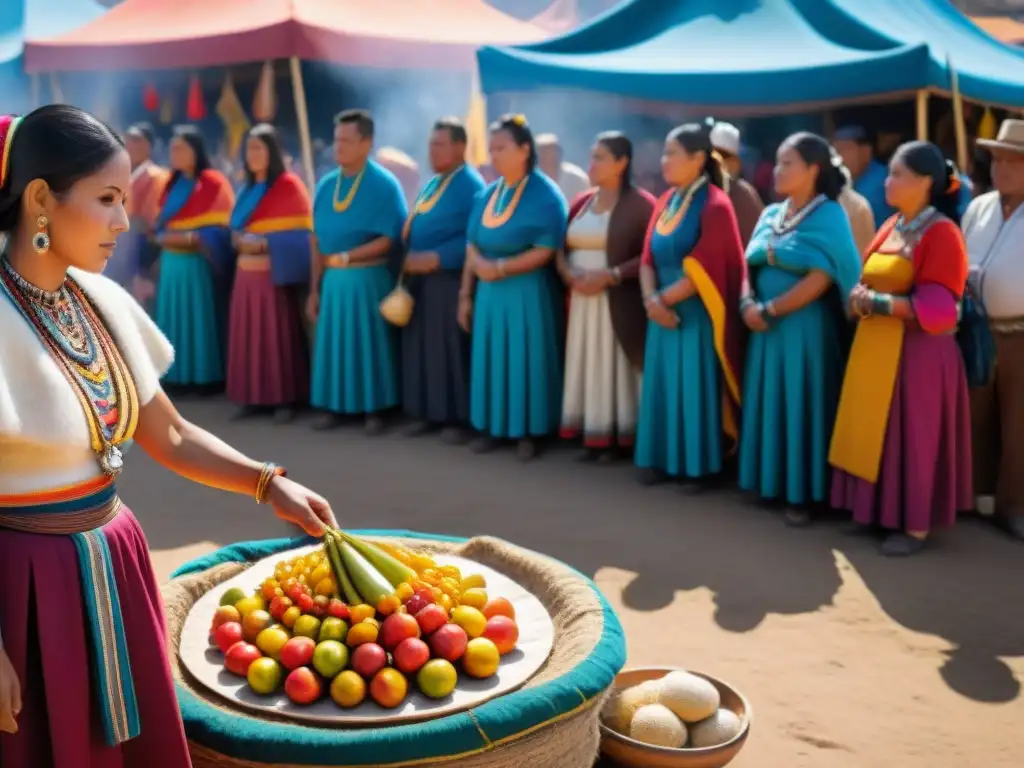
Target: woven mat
{"type": "Point", "coordinates": [582, 624]}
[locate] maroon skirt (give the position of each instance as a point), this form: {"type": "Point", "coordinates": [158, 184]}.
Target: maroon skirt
{"type": "Point", "coordinates": [42, 616]}
{"type": "Point", "coordinates": [268, 357]}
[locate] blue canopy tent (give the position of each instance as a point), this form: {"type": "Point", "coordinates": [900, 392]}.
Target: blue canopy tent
{"type": "Point", "coordinates": [988, 71]}
{"type": "Point", "coordinates": [23, 19]}
{"type": "Point", "coordinates": [754, 56]}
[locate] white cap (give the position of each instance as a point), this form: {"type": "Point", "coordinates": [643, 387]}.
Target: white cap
{"type": "Point", "coordinates": [726, 137]}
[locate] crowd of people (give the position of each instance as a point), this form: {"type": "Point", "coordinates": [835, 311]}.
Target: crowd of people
{"type": "Point", "coordinates": [812, 352]}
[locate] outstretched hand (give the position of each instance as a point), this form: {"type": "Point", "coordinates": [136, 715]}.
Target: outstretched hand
{"type": "Point", "coordinates": [297, 504]}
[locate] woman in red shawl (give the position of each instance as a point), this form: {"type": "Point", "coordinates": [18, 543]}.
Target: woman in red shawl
{"type": "Point", "coordinates": [691, 275]}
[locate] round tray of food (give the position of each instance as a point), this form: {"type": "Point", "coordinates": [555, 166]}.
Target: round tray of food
{"type": "Point", "coordinates": [357, 632]}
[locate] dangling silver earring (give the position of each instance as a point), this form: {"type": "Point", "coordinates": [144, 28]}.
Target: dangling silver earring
{"type": "Point", "coordinates": [41, 240]}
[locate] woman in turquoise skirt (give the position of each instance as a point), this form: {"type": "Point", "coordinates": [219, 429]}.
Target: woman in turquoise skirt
{"type": "Point", "coordinates": [802, 264]}
{"type": "Point", "coordinates": [691, 275]}
{"type": "Point", "coordinates": [196, 263]}
{"type": "Point", "coordinates": [516, 312]}
{"type": "Point", "coordinates": [358, 213]}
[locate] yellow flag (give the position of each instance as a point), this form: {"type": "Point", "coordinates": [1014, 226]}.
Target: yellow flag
{"type": "Point", "coordinates": [232, 114]}
{"type": "Point", "coordinates": [987, 127]}
{"type": "Point", "coordinates": [477, 153]}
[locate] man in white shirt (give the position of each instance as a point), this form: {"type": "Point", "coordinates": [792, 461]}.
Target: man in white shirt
{"type": "Point", "coordinates": [571, 179]}
{"type": "Point", "coordinates": [994, 230]}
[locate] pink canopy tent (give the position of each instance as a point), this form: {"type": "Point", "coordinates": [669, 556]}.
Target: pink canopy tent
{"type": "Point", "coordinates": [157, 34]}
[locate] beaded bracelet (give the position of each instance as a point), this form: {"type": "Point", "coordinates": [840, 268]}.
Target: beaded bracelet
{"type": "Point", "coordinates": [881, 304]}
{"type": "Point", "coordinates": [267, 473]}
{"type": "Point", "coordinates": [746, 302]}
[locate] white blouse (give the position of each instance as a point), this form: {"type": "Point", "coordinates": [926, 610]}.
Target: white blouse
{"type": "Point", "coordinates": [44, 434]}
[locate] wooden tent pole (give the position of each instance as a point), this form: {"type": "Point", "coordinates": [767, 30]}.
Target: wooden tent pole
{"type": "Point", "coordinates": [302, 114]}
{"type": "Point", "coordinates": [922, 115]}
{"type": "Point", "coordinates": [959, 126]}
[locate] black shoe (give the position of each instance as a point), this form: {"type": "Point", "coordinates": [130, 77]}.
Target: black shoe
{"type": "Point", "coordinates": [610, 456]}
{"type": "Point", "coordinates": [588, 455]}
{"type": "Point", "coordinates": [454, 436]}
{"type": "Point", "coordinates": [858, 529]}
{"type": "Point", "coordinates": [901, 545]}
{"type": "Point", "coordinates": [245, 412]}
{"type": "Point", "coordinates": [649, 477]}
{"type": "Point", "coordinates": [797, 518]}
{"type": "Point", "coordinates": [526, 450]}
{"type": "Point", "coordinates": [326, 421]}
{"type": "Point", "coordinates": [284, 415]}
{"type": "Point", "coordinates": [690, 487]}
{"type": "Point", "coordinates": [484, 444]}
{"type": "Point", "coordinates": [374, 426]}
{"type": "Point", "coordinates": [1012, 526]}
{"type": "Point", "coordinates": [416, 428]}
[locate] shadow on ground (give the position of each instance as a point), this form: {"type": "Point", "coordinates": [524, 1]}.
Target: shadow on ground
{"type": "Point", "coordinates": [968, 590]}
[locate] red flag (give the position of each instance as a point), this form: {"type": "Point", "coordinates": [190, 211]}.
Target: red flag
{"type": "Point", "coordinates": [195, 108]}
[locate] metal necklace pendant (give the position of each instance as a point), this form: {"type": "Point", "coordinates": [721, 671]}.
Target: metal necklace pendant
{"type": "Point", "coordinates": [111, 460]}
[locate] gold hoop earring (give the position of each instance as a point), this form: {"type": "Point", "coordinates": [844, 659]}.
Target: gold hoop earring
{"type": "Point", "coordinates": [41, 240]}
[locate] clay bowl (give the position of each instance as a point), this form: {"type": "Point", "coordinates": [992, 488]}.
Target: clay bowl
{"type": "Point", "coordinates": [630, 753]}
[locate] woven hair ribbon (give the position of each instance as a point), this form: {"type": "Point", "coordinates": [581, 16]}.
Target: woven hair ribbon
{"type": "Point", "coordinates": [8, 125]}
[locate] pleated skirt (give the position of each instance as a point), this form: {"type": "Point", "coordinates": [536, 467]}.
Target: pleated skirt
{"type": "Point", "coordinates": [680, 427]}
{"type": "Point", "coordinates": [516, 359]}
{"type": "Point", "coordinates": [354, 352]}
{"type": "Point", "coordinates": [188, 313]}
{"type": "Point", "coordinates": [926, 473]}
{"type": "Point", "coordinates": [268, 356]}
{"type": "Point", "coordinates": [602, 387]}
{"type": "Point", "coordinates": [792, 380]}
{"type": "Point", "coordinates": [48, 642]}
{"type": "Point", "coordinates": [435, 353]}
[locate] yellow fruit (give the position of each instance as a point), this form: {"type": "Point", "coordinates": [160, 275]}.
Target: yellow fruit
{"type": "Point", "coordinates": [447, 603]}
{"type": "Point", "coordinates": [432, 576]}
{"type": "Point", "coordinates": [326, 587]}
{"type": "Point", "coordinates": [249, 604]}
{"type": "Point", "coordinates": [421, 562]}
{"type": "Point", "coordinates": [388, 605]}
{"type": "Point", "coordinates": [474, 598]}
{"type": "Point", "coordinates": [372, 621]}
{"type": "Point", "coordinates": [320, 573]}
{"type": "Point", "coordinates": [404, 591]}
{"type": "Point", "coordinates": [361, 633]}
{"type": "Point", "coordinates": [348, 689]}
{"type": "Point", "coordinates": [290, 616]}
{"type": "Point", "coordinates": [481, 659]}
{"type": "Point", "coordinates": [449, 586]}
{"type": "Point", "coordinates": [473, 581]}
{"type": "Point", "coordinates": [362, 611]}
{"type": "Point", "coordinates": [470, 619]}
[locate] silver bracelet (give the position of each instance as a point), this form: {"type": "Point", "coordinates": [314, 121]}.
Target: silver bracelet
{"type": "Point", "coordinates": [500, 264]}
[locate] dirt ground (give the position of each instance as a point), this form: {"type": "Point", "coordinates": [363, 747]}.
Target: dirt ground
{"type": "Point", "coordinates": [849, 660]}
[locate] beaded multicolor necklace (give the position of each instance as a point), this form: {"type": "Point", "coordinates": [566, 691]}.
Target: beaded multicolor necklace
{"type": "Point", "coordinates": [492, 219]}
{"type": "Point", "coordinates": [79, 343]}
{"type": "Point", "coordinates": [434, 190]}
{"type": "Point", "coordinates": [788, 219]}
{"type": "Point", "coordinates": [905, 227]}
{"type": "Point", "coordinates": [340, 206]}
{"type": "Point", "coordinates": [678, 206]}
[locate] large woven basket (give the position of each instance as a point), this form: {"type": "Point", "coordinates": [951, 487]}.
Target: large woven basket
{"type": "Point", "coordinates": [552, 722]}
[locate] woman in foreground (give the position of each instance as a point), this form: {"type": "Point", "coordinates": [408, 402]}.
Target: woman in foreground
{"type": "Point", "coordinates": [84, 674]}
{"type": "Point", "coordinates": [509, 299]}
{"type": "Point", "coordinates": [901, 447]}
{"type": "Point", "coordinates": [802, 264]}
